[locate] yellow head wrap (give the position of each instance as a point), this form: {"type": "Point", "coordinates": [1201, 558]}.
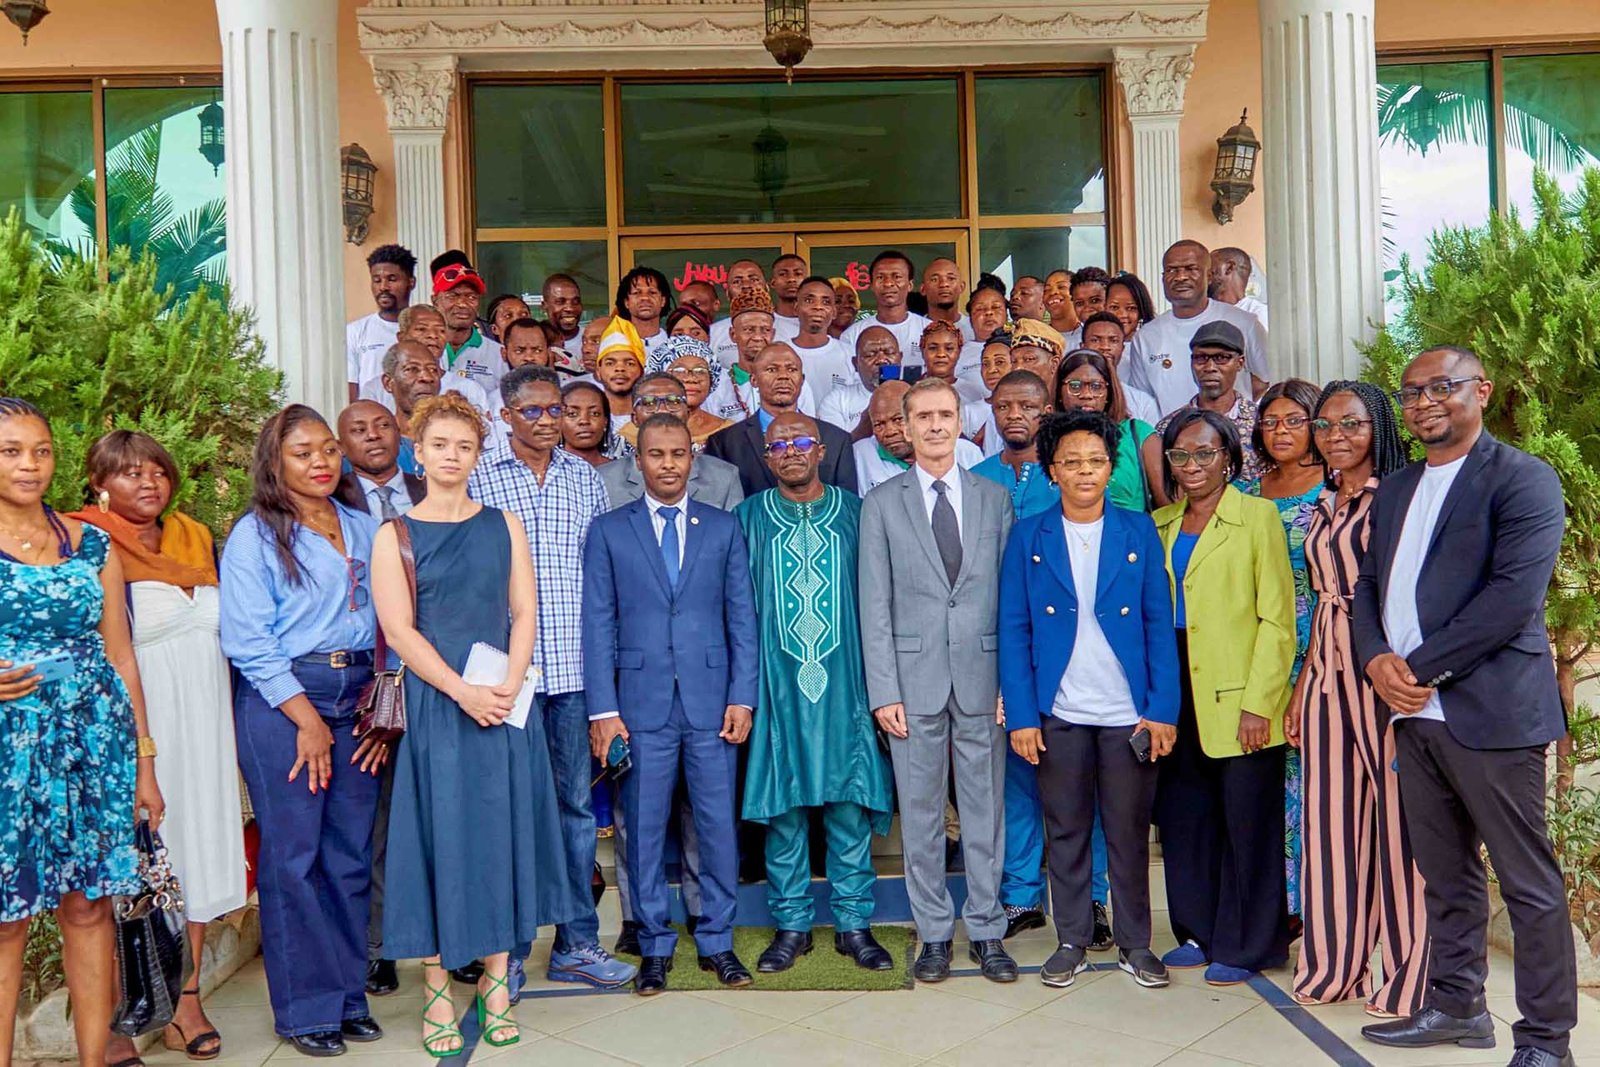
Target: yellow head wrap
{"type": "Point", "coordinates": [620, 336]}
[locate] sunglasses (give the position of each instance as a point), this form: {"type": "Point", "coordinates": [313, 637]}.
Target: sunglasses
{"type": "Point", "coordinates": [1347, 425]}
{"type": "Point", "coordinates": [1180, 457]}
{"type": "Point", "coordinates": [356, 570]}
{"type": "Point", "coordinates": [535, 412]}
{"type": "Point", "coordinates": [1293, 422]}
{"type": "Point", "coordinates": [1216, 359]}
{"type": "Point", "coordinates": [801, 446]}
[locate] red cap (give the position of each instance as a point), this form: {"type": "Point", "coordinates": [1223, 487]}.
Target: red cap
{"type": "Point", "coordinates": [454, 276]}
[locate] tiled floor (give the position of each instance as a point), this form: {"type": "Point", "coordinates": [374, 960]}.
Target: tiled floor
{"type": "Point", "coordinates": [965, 1022]}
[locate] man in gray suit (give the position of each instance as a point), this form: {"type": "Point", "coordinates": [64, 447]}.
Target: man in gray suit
{"type": "Point", "coordinates": [931, 542]}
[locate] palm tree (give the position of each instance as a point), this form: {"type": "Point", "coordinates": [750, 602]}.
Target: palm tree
{"type": "Point", "coordinates": [1425, 117]}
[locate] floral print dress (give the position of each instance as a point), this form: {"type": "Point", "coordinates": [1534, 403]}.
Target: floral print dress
{"type": "Point", "coordinates": [1296, 512]}
{"type": "Point", "coordinates": [66, 792]}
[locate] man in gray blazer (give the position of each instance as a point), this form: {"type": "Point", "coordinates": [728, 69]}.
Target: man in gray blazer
{"type": "Point", "coordinates": [931, 542]}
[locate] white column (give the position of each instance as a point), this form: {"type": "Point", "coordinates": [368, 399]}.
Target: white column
{"type": "Point", "coordinates": [1320, 178]}
{"type": "Point", "coordinates": [1153, 81]}
{"type": "Point", "coordinates": [280, 100]}
{"type": "Point", "coordinates": [416, 94]}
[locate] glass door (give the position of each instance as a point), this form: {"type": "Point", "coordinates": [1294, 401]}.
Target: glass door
{"type": "Point", "coordinates": [849, 254]}
{"type": "Point", "coordinates": [686, 258]}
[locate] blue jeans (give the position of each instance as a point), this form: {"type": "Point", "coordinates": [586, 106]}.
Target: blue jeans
{"type": "Point", "coordinates": [1022, 882]}
{"type": "Point", "coordinates": [566, 728]}
{"type": "Point", "coordinates": [316, 854]}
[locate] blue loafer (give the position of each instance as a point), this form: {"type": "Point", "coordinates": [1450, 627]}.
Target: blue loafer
{"type": "Point", "coordinates": [1222, 974]}
{"type": "Point", "coordinates": [1188, 954]}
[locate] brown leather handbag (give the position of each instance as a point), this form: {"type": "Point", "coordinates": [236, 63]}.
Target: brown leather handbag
{"type": "Point", "coordinates": [381, 710]}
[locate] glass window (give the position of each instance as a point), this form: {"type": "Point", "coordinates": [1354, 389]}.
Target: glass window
{"type": "Point", "coordinates": [522, 266]}
{"type": "Point", "coordinates": [1039, 145]}
{"type": "Point", "coordinates": [539, 155]}
{"type": "Point", "coordinates": [164, 194]}
{"type": "Point", "coordinates": [47, 166]}
{"type": "Point", "coordinates": [853, 261]}
{"type": "Point", "coordinates": [1014, 253]}
{"type": "Point", "coordinates": [1434, 154]}
{"type": "Point", "coordinates": [1550, 121]}
{"type": "Point", "coordinates": [690, 262]}
{"type": "Point", "coordinates": [770, 152]}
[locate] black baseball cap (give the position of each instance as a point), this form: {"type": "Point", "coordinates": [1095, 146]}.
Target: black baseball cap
{"type": "Point", "coordinates": [1218, 334]}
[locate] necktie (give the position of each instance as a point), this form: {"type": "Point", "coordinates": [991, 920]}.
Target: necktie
{"type": "Point", "coordinates": [386, 509]}
{"type": "Point", "coordinates": [669, 544]}
{"type": "Point", "coordinates": [946, 534]}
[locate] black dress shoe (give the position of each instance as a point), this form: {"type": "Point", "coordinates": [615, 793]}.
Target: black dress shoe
{"type": "Point", "coordinates": [1528, 1056]}
{"type": "Point", "coordinates": [787, 946]}
{"type": "Point", "coordinates": [469, 974]}
{"type": "Point", "coordinates": [1019, 919]}
{"type": "Point", "coordinates": [1430, 1026]}
{"type": "Point", "coordinates": [1103, 938]}
{"type": "Point", "coordinates": [862, 947]}
{"type": "Point", "coordinates": [628, 940]}
{"type": "Point", "coordinates": [322, 1044]}
{"type": "Point", "coordinates": [381, 978]}
{"type": "Point", "coordinates": [652, 976]}
{"type": "Point", "coordinates": [730, 972]}
{"type": "Point", "coordinates": [991, 956]}
{"type": "Point", "coordinates": [933, 962]}
{"type": "Point", "coordinates": [365, 1028]}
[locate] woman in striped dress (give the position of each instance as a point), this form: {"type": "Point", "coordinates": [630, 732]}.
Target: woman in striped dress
{"type": "Point", "coordinates": [1359, 884]}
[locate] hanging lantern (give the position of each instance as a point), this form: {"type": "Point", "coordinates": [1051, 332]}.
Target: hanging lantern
{"type": "Point", "coordinates": [788, 33]}
{"type": "Point", "coordinates": [26, 14]}
{"type": "Point", "coordinates": [356, 170]}
{"type": "Point", "coordinates": [1234, 178]}
{"type": "Point", "coordinates": [211, 138]}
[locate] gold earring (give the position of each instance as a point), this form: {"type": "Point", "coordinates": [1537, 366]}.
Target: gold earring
{"type": "Point", "coordinates": [104, 500]}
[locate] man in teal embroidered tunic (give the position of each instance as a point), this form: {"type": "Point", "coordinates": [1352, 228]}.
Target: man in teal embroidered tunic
{"type": "Point", "coordinates": [813, 745]}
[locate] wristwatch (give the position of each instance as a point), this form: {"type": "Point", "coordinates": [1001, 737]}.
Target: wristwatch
{"type": "Point", "coordinates": [147, 747]}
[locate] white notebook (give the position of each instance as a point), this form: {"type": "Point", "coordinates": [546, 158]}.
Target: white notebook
{"type": "Point", "coordinates": [486, 665]}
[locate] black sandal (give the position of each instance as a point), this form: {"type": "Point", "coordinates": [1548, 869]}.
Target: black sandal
{"type": "Point", "coordinates": [184, 1044]}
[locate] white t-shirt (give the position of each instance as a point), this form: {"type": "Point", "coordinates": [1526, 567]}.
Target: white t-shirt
{"type": "Point", "coordinates": [1140, 404]}
{"type": "Point", "coordinates": [785, 327]}
{"type": "Point", "coordinates": [907, 332]}
{"type": "Point", "coordinates": [1159, 362]}
{"type": "Point", "coordinates": [872, 469]}
{"type": "Point", "coordinates": [827, 367]}
{"type": "Point", "coordinates": [969, 372]}
{"type": "Point", "coordinates": [844, 404]}
{"type": "Point", "coordinates": [1258, 308]}
{"type": "Point", "coordinates": [1400, 622]}
{"type": "Point", "coordinates": [722, 344]}
{"type": "Point", "coordinates": [978, 417]}
{"type": "Point", "coordinates": [481, 363]}
{"type": "Point", "coordinates": [365, 341]}
{"type": "Point", "coordinates": [1094, 690]}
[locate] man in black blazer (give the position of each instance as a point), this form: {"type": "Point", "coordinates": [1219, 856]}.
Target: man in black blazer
{"type": "Point", "coordinates": [1449, 625]}
{"type": "Point", "coordinates": [779, 374]}
{"type": "Point", "coordinates": [371, 441]}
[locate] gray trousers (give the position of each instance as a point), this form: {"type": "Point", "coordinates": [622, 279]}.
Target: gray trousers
{"type": "Point", "coordinates": [922, 764]}
{"type": "Point", "coordinates": [687, 837]}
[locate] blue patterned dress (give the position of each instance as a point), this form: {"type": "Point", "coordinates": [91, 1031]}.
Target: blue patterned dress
{"type": "Point", "coordinates": [1296, 512]}
{"type": "Point", "coordinates": [66, 795]}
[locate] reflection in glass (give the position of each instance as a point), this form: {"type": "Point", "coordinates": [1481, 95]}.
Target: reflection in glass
{"type": "Point", "coordinates": [539, 155]}
{"type": "Point", "coordinates": [163, 194]}
{"type": "Point", "coordinates": [1551, 121]}
{"type": "Point", "coordinates": [46, 150]}
{"type": "Point", "coordinates": [1039, 145]}
{"type": "Point", "coordinates": [768, 152]}
{"type": "Point", "coordinates": [703, 263]}
{"type": "Point", "coordinates": [522, 266]}
{"type": "Point", "coordinates": [853, 262]}
{"type": "Point", "coordinates": [1014, 253]}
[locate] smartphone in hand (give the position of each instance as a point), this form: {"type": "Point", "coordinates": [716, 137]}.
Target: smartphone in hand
{"type": "Point", "coordinates": [619, 758]}
{"type": "Point", "coordinates": [1140, 743]}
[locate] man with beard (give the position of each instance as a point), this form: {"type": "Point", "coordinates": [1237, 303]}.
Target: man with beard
{"type": "Point", "coordinates": [779, 378]}
{"type": "Point", "coordinates": [888, 451]}
{"type": "Point", "coordinates": [1217, 356]}
{"type": "Point", "coordinates": [744, 279]}
{"type": "Point", "coordinates": [891, 284]}
{"type": "Point", "coordinates": [1027, 299]}
{"type": "Point", "coordinates": [943, 289]}
{"type": "Point", "coordinates": [813, 746]}
{"type": "Point", "coordinates": [468, 354]}
{"type": "Point", "coordinates": [563, 309]}
{"type": "Point", "coordinates": [828, 363]}
{"type": "Point", "coordinates": [643, 296]}
{"type": "Point", "coordinates": [788, 271]}
{"type": "Point", "coordinates": [392, 271]}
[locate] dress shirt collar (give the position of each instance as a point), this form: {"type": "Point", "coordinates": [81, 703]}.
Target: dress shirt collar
{"type": "Point", "coordinates": [655, 505]}
{"type": "Point", "coordinates": [951, 479]}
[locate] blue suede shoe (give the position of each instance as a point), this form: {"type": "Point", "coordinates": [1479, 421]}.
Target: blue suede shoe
{"type": "Point", "coordinates": [1222, 974]}
{"type": "Point", "coordinates": [590, 964]}
{"type": "Point", "coordinates": [1188, 954]}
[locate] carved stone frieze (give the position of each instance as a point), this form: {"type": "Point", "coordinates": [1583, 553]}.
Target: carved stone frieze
{"type": "Point", "coordinates": [1154, 79]}
{"type": "Point", "coordinates": [416, 94]}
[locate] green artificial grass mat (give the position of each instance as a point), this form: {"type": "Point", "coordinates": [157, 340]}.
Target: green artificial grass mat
{"type": "Point", "coordinates": [821, 968]}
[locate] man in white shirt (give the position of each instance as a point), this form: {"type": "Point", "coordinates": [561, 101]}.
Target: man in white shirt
{"type": "Point", "coordinates": [788, 271]}
{"type": "Point", "coordinates": [888, 451]}
{"type": "Point", "coordinates": [1162, 366]}
{"type": "Point", "coordinates": [468, 354]}
{"type": "Point", "coordinates": [423, 324]}
{"type": "Point", "coordinates": [392, 271]}
{"type": "Point", "coordinates": [736, 396]}
{"type": "Point", "coordinates": [846, 406]}
{"type": "Point", "coordinates": [1230, 275]}
{"type": "Point", "coordinates": [891, 284]}
{"type": "Point", "coordinates": [1102, 333]}
{"type": "Point", "coordinates": [643, 296]}
{"type": "Point", "coordinates": [943, 288]}
{"type": "Point", "coordinates": [829, 364]}
{"type": "Point", "coordinates": [744, 276]}
{"type": "Point", "coordinates": [562, 301]}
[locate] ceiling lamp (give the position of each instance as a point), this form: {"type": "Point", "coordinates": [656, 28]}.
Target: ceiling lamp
{"type": "Point", "coordinates": [788, 33]}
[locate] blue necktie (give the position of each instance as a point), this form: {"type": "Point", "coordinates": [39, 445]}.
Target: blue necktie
{"type": "Point", "coordinates": [669, 544]}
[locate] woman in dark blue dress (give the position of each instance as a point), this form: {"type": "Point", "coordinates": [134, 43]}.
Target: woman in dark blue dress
{"type": "Point", "coordinates": [475, 862]}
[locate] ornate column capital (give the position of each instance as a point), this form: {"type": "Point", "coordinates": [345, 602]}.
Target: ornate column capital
{"type": "Point", "coordinates": [416, 91]}
{"type": "Point", "coordinates": [1153, 80]}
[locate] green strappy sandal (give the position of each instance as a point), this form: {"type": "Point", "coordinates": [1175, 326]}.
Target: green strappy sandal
{"type": "Point", "coordinates": [442, 1031]}
{"type": "Point", "coordinates": [502, 1020]}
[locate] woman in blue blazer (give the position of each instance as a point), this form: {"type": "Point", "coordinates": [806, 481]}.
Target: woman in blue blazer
{"type": "Point", "coordinates": [1089, 673]}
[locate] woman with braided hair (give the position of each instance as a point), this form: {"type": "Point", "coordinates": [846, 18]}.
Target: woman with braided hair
{"type": "Point", "coordinates": [1358, 882]}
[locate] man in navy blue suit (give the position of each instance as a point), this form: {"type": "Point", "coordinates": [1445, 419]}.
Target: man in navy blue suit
{"type": "Point", "coordinates": [671, 666]}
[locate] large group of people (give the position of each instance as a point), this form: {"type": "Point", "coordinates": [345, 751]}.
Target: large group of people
{"type": "Point", "coordinates": [1035, 569]}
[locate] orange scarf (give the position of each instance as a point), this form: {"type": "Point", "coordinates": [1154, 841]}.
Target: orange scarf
{"type": "Point", "coordinates": [185, 559]}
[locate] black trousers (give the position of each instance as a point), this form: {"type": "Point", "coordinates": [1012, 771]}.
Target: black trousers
{"type": "Point", "coordinates": [1082, 765]}
{"type": "Point", "coordinates": [1222, 845]}
{"type": "Point", "coordinates": [1455, 798]}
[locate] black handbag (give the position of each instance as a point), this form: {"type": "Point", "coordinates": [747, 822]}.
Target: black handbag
{"type": "Point", "coordinates": [153, 960]}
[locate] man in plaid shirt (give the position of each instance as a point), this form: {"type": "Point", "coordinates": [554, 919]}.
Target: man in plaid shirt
{"type": "Point", "coordinates": [556, 495]}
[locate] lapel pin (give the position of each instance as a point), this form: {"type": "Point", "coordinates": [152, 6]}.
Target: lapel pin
{"type": "Point", "coordinates": [1133, 557]}
{"type": "Point", "coordinates": [1167, 364]}
{"type": "Point", "coordinates": [694, 520]}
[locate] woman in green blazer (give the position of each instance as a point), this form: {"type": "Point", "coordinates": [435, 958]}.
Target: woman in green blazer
{"type": "Point", "coordinates": [1220, 798]}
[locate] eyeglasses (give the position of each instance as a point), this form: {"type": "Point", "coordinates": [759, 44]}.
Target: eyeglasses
{"type": "Point", "coordinates": [1216, 359]}
{"type": "Point", "coordinates": [1083, 463]}
{"type": "Point", "coordinates": [801, 446]}
{"type": "Point", "coordinates": [689, 372]}
{"type": "Point", "coordinates": [535, 412]}
{"type": "Point", "coordinates": [356, 570]}
{"type": "Point", "coordinates": [1347, 425]}
{"type": "Point", "coordinates": [1293, 422]}
{"type": "Point", "coordinates": [1180, 457]}
{"type": "Point", "coordinates": [1438, 392]}
{"type": "Point", "coordinates": [671, 400]}
{"type": "Point", "coordinates": [1078, 387]}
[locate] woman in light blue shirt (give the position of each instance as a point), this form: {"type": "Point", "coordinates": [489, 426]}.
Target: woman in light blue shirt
{"type": "Point", "coordinates": [297, 622]}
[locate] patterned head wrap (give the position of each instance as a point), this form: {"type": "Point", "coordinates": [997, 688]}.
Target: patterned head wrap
{"type": "Point", "coordinates": [757, 299]}
{"type": "Point", "coordinates": [675, 348]}
{"type": "Point", "coordinates": [1032, 332]}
